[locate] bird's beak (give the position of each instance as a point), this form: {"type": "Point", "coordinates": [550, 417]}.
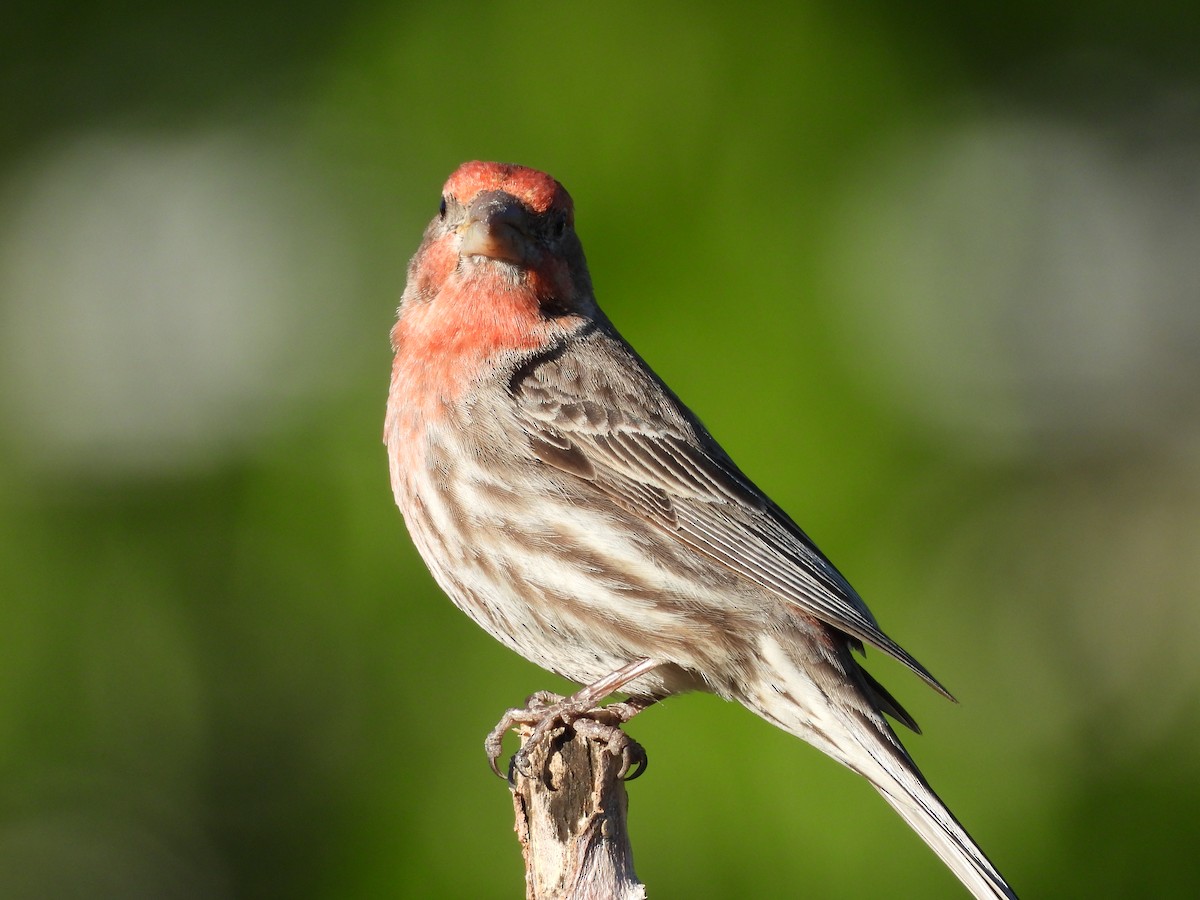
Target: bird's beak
{"type": "Point", "coordinates": [497, 228]}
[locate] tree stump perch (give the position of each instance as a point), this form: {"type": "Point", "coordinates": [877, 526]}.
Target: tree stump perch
{"type": "Point", "coordinates": [571, 820]}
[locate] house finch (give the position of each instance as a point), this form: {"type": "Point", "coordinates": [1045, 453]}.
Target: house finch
{"type": "Point", "coordinates": [570, 504]}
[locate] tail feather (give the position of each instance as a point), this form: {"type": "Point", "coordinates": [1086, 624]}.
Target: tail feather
{"type": "Point", "coordinates": [827, 700]}
{"type": "Point", "coordinates": [925, 813]}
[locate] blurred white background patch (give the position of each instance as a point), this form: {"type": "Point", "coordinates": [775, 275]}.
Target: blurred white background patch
{"type": "Point", "coordinates": [1016, 280]}
{"type": "Point", "coordinates": [163, 300]}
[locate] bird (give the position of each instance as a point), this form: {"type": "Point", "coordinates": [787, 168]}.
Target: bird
{"type": "Point", "coordinates": [568, 502]}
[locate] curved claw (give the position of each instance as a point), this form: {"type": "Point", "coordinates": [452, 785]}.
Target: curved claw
{"type": "Point", "coordinates": [636, 760]}
{"type": "Point", "coordinates": [538, 708]}
{"type": "Point", "coordinates": [519, 764]}
{"type": "Point", "coordinates": [494, 765]}
{"type": "Point", "coordinates": [493, 746]}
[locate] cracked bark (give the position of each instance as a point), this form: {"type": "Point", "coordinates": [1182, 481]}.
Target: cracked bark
{"type": "Point", "coordinates": [571, 822]}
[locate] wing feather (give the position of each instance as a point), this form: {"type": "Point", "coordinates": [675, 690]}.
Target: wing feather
{"type": "Point", "coordinates": [662, 464]}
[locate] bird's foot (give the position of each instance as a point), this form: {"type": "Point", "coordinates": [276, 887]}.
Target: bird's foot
{"type": "Point", "coordinates": [546, 712]}
{"type": "Point", "coordinates": [537, 706]}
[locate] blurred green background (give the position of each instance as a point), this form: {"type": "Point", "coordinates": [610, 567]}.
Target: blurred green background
{"type": "Point", "coordinates": [929, 271]}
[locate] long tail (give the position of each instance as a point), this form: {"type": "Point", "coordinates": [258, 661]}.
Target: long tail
{"type": "Point", "coordinates": [921, 808]}
{"type": "Point", "coordinates": [820, 694]}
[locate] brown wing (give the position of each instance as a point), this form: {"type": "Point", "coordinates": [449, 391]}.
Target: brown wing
{"type": "Point", "coordinates": [600, 414]}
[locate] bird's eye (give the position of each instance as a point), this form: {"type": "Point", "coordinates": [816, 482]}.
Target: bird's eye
{"type": "Point", "coordinates": [442, 209]}
{"type": "Point", "coordinates": [558, 227]}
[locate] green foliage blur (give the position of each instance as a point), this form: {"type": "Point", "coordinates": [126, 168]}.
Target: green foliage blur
{"type": "Point", "coordinates": [927, 270]}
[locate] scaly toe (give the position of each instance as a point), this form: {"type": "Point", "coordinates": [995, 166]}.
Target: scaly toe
{"type": "Point", "coordinates": [617, 742]}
